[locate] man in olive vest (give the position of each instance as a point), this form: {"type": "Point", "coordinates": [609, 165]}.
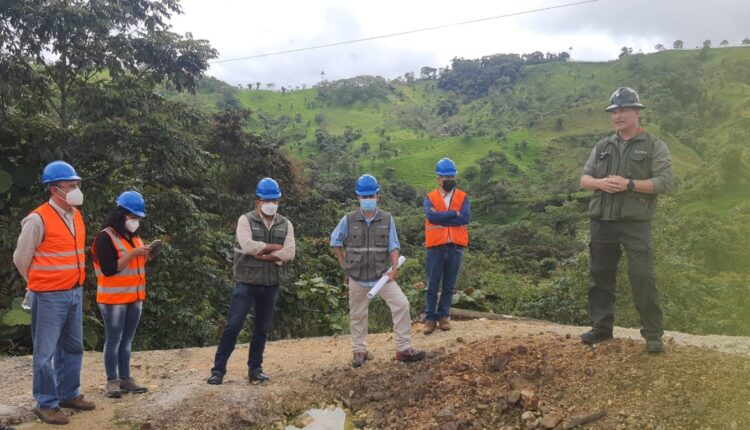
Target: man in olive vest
{"type": "Point", "coordinates": [366, 244]}
{"type": "Point", "coordinates": [447, 216]}
{"type": "Point", "coordinates": [626, 171]}
{"type": "Point", "coordinates": [265, 243]}
{"type": "Point", "coordinates": [50, 257]}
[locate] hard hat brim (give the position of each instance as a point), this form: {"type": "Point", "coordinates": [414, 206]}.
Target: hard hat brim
{"type": "Point", "coordinates": [368, 192]}
{"type": "Point", "coordinates": [637, 106]}
{"type": "Point", "coordinates": [268, 196]}
{"type": "Point", "coordinates": [64, 178]}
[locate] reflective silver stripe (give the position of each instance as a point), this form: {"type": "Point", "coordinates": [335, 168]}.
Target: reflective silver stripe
{"type": "Point", "coordinates": [58, 254]}
{"type": "Point", "coordinates": [117, 290]}
{"type": "Point", "coordinates": [141, 288]}
{"type": "Point", "coordinates": [435, 227]}
{"type": "Point", "coordinates": [368, 249]}
{"type": "Point", "coordinates": [124, 272]}
{"type": "Point", "coordinates": [65, 267]}
{"type": "Point", "coordinates": [116, 241]}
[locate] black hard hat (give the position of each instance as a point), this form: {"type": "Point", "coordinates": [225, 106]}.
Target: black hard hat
{"type": "Point", "coordinates": [624, 97]}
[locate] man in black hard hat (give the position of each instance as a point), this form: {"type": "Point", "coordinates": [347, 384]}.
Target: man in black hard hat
{"type": "Point", "coordinates": [626, 171]}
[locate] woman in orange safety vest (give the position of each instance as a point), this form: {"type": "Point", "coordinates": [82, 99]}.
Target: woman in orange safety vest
{"type": "Point", "coordinates": [120, 257]}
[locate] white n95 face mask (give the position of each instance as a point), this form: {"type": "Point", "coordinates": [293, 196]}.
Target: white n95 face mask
{"type": "Point", "coordinates": [74, 197]}
{"type": "Point", "coordinates": [269, 208]}
{"type": "Point", "coordinates": [132, 225]}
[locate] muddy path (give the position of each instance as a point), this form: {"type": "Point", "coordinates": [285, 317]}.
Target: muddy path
{"type": "Point", "coordinates": [714, 376]}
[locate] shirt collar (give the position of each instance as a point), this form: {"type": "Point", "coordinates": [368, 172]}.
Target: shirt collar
{"type": "Point", "coordinates": [444, 194]}
{"type": "Point", "coordinates": [368, 219]}
{"type": "Point", "coordinates": [60, 210]}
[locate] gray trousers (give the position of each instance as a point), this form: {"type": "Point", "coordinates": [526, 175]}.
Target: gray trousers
{"type": "Point", "coordinates": [607, 238]}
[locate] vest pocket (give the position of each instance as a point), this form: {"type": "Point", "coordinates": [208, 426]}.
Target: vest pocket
{"type": "Point", "coordinates": [638, 166]}
{"type": "Point", "coordinates": [595, 205]}
{"type": "Point", "coordinates": [353, 264]}
{"type": "Point", "coordinates": [602, 164]}
{"type": "Point", "coordinates": [637, 207]}
{"type": "Point", "coordinates": [381, 264]}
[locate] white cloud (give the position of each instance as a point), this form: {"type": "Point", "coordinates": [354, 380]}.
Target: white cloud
{"type": "Point", "coordinates": [596, 32]}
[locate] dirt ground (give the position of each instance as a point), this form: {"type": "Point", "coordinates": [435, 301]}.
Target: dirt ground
{"type": "Point", "coordinates": [482, 374]}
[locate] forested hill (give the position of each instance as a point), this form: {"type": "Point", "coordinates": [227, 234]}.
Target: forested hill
{"type": "Point", "coordinates": [519, 128]}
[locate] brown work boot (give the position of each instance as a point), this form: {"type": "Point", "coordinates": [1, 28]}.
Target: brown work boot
{"type": "Point", "coordinates": [410, 355]}
{"type": "Point", "coordinates": [444, 324]}
{"type": "Point", "coordinates": [78, 403]}
{"type": "Point", "coordinates": [429, 326]}
{"type": "Point", "coordinates": [359, 359]}
{"type": "Point", "coordinates": [113, 389]}
{"type": "Point", "coordinates": [51, 416]}
{"type": "Point", "coordinates": [129, 386]}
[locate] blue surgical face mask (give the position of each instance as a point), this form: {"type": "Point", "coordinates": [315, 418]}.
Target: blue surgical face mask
{"type": "Point", "coordinates": [368, 205]}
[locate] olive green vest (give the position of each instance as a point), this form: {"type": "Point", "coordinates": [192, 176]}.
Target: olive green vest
{"type": "Point", "coordinates": [634, 163]}
{"type": "Point", "coordinates": [366, 246]}
{"type": "Point", "coordinates": [250, 270]}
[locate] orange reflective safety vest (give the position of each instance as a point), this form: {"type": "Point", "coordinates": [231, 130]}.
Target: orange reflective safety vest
{"type": "Point", "coordinates": [435, 234]}
{"type": "Point", "coordinates": [59, 262]}
{"type": "Point", "coordinates": [127, 285]}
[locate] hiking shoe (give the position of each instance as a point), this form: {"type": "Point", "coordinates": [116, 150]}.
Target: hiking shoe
{"type": "Point", "coordinates": [444, 324]}
{"type": "Point", "coordinates": [409, 355]}
{"type": "Point", "coordinates": [216, 378]}
{"type": "Point", "coordinates": [593, 337]}
{"type": "Point", "coordinates": [257, 375]}
{"type": "Point", "coordinates": [129, 386]}
{"type": "Point", "coordinates": [78, 403]}
{"type": "Point", "coordinates": [51, 416]}
{"type": "Point", "coordinates": [113, 389]}
{"type": "Point", "coordinates": [654, 345]}
{"type": "Point", "coordinates": [359, 359]}
{"type": "Point", "coordinates": [429, 326]}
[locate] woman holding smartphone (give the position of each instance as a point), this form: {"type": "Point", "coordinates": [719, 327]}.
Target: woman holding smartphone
{"type": "Point", "coordinates": [120, 257]}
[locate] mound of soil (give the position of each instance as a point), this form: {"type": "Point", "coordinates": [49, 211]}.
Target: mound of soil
{"type": "Point", "coordinates": [549, 381]}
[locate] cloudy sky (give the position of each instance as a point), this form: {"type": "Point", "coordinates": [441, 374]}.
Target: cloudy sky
{"type": "Point", "coordinates": [595, 31]}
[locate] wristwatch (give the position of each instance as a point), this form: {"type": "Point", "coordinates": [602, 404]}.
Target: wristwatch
{"type": "Point", "coordinates": [631, 185]}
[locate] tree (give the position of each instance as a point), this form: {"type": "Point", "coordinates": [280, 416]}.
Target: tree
{"type": "Point", "coordinates": [707, 43]}
{"type": "Point", "coordinates": [428, 72]}
{"type": "Point", "coordinates": [746, 41]}
{"type": "Point", "coordinates": [677, 44]}
{"type": "Point", "coordinates": [625, 51]}
{"type": "Point", "coordinates": [724, 42]}
{"type": "Point", "coordinates": [83, 81]}
{"type": "Point", "coordinates": [257, 86]}
{"type": "Point", "coordinates": [659, 47]}
{"type": "Point", "coordinates": [65, 46]}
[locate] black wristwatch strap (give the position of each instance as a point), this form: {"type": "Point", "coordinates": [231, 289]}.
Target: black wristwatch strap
{"type": "Point", "coordinates": [631, 185]}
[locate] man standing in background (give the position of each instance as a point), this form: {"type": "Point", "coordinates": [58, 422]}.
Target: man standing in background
{"type": "Point", "coordinates": [446, 236]}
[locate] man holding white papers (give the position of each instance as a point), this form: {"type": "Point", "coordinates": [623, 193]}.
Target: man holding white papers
{"type": "Point", "coordinates": [366, 245]}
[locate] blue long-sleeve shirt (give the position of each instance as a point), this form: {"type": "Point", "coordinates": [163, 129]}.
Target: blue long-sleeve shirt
{"type": "Point", "coordinates": [448, 218]}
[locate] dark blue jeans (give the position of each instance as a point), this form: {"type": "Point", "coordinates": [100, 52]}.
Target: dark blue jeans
{"type": "Point", "coordinates": [120, 323]}
{"type": "Point", "coordinates": [57, 334]}
{"type": "Point", "coordinates": [443, 264]}
{"type": "Point", "coordinates": [244, 296]}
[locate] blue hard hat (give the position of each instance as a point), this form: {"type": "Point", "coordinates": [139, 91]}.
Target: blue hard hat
{"type": "Point", "coordinates": [59, 171]}
{"type": "Point", "coordinates": [446, 167]}
{"type": "Point", "coordinates": [367, 185]}
{"type": "Point", "coordinates": [268, 189]}
{"type": "Point", "coordinates": [133, 202]}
